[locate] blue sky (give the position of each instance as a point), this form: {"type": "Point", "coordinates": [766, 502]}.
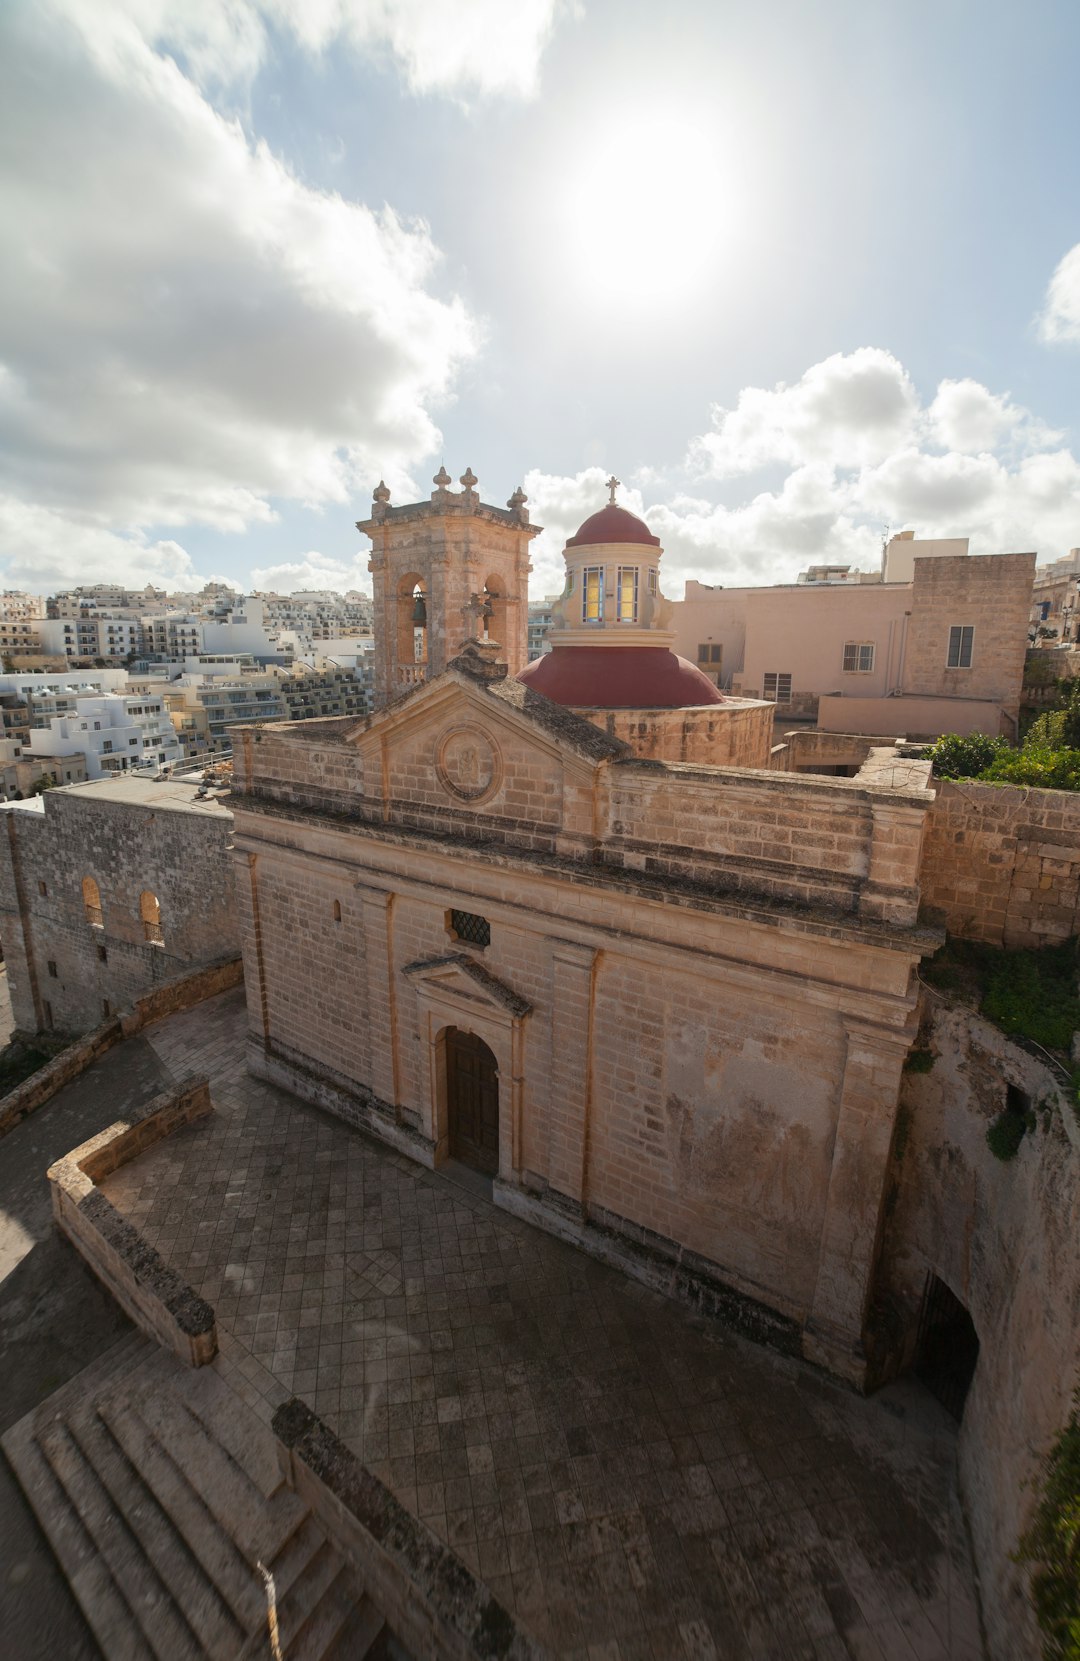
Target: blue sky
{"type": "Point", "coordinates": [795, 273]}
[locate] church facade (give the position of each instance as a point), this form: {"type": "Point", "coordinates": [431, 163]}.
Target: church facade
{"type": "Point", "coordinates": [661, 1007]}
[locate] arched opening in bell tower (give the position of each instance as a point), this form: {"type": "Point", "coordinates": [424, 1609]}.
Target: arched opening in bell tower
{"type": "Point", "coordinates": [412, 627]}
{"type": "Point", "coordinates": [494, 598]}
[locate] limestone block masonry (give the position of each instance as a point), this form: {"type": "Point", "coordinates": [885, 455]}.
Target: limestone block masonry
{"type": "Point", "coordinates": [150, 849]}
{"type": "Point", "coordinates": [452, 549]}
{"type": "Point", "coordinates": [149, 1291]}
{"type": "Point", "coordinates": [1002, 864]}
{"type": "Point", "coordinates": [695, 983]}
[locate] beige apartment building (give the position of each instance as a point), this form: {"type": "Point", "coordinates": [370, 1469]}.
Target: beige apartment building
{"type": "Point", "coordinates": [940, 652]}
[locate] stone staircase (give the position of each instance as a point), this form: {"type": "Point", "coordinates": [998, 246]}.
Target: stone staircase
{"type": "Point", "coordinates": [160, 1493]}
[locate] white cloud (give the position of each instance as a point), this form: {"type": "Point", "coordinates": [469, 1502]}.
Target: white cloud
{"type": "Point", "coordinates": [46, 551]}
{"type": "Point", "coordinates": [970, 463]}
{"type": "Point", "coordinates": [187, 332]}
{"type": "Point", "coordinates": [479, 47]}
{"type": "Point", "coordinates": [851, 408]}
{"type": "Point", "coordinates": [968, 417]}
{"type": "Point", "coordinates": [1060, 317]}
{"type": "Point", "coordinates": [312, 570]}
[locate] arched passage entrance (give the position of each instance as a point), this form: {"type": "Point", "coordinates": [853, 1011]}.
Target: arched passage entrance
{"type": "Point", "coordinates": [472, 1101]}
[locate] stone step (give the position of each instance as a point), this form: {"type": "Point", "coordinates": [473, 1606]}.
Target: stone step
{"type": "Point", "coordinates": [229, 1421]}
{"type": "Point", "coordinates": [125, 1358]}
{"type": "Point", "coordinates": [163, 1629]}
{"type": "Point", "coordinates": [218, 1555]}
{"type": "Point", "coordinates": [205, 1611]}
{"type": "Point", "coordinates": [324, 1630]}
{"type": "Point", "coordinates": [161, 1493]}
{"type": "Point", "coordinates": [259, 1526]}
{"type": "Point", "coordinates": [363, 1637]}
{"type": "Point", "coordinates": [307, 1592]}
{"type": "Point", "coordinates": [100, 1599]}
{"type": "Point", "coordinates": [295, 1557]}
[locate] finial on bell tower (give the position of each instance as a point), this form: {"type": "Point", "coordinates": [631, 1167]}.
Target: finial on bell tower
{"type": "Point", "coordinates": [613, 484]}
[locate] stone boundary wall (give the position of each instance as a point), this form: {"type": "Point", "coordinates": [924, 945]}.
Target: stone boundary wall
{"type": "Point", "coordinates": [144, 1286]}
{"type": "Point", "coordinates": [1001, 863]}
{"type": "Point", "coordinates": [432, 1603]}
{"type": "Point", "coordinates": [167, 999]}
{"type": "Point", "coordinates": [1004, 1236]}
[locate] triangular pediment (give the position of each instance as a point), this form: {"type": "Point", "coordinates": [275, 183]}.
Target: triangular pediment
{"type": "Point", "coordinates": [459, 747]}
{"type": "Point", "coordinates": [507, 703]}
{"type": "Point", "coordinates": [461, 980]}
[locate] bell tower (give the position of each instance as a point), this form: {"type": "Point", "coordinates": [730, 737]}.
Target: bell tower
{"type": "Point", "coordinates": [444, 571]}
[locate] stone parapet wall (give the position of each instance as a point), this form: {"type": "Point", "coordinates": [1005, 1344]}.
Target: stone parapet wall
{"type": "Point", "coordinates": [151, 1293]}
{"type": "Point", "coordinates": [1001, 863]}
{"type": "Point", "coordinates": [1005, 1238]}
{"type": "Point", "coordinates": [432, 1603]}
{"type": "Point", "coordinates": [737, 733]}
{"type": "Point", "coordinates": [820, 842]}
{"type": "Point", "coordinates": [169, 999]}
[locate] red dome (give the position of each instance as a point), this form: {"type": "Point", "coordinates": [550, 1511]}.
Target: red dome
{"type": "Point", "coordinates": [619, 677]}
{"type": "Point", "coordinates": [613, 524]}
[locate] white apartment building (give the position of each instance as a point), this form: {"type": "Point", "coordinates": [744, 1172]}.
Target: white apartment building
{"type": "Point", "coordinates": [116, 735]}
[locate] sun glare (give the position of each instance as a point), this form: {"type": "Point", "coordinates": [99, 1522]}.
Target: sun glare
{"type": "Point", "coordinates": [650, 208]}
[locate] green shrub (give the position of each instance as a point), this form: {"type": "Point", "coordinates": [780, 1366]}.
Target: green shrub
{"type": "Point", "coordinates": [964, 758]}
{"type": "Point", "coordinates": [1052, 1543]}
{"type": "Point", "coordinates": [1030, 994]}
{"type": "Point", "coordinates": [1037, 765]}
{"type": "Point", "coordinates": [919, 1061]}
{"type": "Point", "coordinates": [1006, 1134]}
{"type": "Point", "coordinates": [1033, 993]}
{"type": "Point", "coordinates": [1045, 732]}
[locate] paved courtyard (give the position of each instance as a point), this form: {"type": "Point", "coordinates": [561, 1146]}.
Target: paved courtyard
{"type": "Point", "coordinates": [632, 1481]}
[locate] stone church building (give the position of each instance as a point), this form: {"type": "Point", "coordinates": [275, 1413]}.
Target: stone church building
{"type": "Point", "coordinates": [565, 927]}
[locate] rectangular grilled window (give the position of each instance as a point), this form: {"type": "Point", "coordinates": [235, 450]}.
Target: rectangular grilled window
{"type": "Point", "coordinates": [469, 928]}
{"type": "Point", "coordinates": [778, 688]}
{"type": "Point", "coordinates": [858, 657]}
{"type": "Point", "coordinates": [627, 591]}
{"type": "Point", "coordinates": [961, 636]}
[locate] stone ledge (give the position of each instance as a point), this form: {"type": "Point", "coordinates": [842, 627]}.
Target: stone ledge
{"type": "Point", "coordinates": [432, 1602]}
{"type": "Point", "coordinates": [167, 999]}
{"type": "Point", "coordinates": [152, 1294]}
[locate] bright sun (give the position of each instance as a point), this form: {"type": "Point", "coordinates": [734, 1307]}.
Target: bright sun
{"type": "Point", "coordinates": [650, 210]}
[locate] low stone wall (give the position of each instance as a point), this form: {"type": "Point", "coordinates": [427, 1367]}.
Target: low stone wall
{"type": "Point", "coordinates": [168, 999]}
{"type": "Point", "coordinates": [824, 752]}
{"type": "Point", "coordinates": [1004, 1236]}
{"type": "Point", "coordinates": [1001, 863]}
{"type": "Point", "coordinates": [431, 1602]}
{"type": "Point", "coordinates": [154, 1296]}
{"type": "Point", "coordinates": [736, 733]}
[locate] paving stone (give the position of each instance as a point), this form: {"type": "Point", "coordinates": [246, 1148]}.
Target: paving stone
{"type": "Point", "coordinates": [600, 1453]}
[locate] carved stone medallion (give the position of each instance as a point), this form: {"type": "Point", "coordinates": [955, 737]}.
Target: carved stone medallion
{"type": "Point", "coordinates": [468, 764]}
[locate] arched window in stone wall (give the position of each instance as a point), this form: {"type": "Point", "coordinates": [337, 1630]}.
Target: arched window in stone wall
{"type": "Point", "coordinates": [494, 597]}
{"type": "Point", "coordinates": [412, 622]}
{"type": "Point", "coordinates": [91, 895]}
{"type": "Point", "coordinates": [150, 912]}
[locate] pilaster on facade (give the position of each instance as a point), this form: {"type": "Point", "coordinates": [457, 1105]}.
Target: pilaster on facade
{"type": "Point", "coordinates": [834, 1335]}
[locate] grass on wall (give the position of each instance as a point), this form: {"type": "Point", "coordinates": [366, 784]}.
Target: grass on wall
{"type": "Point", "coordinates": [1028, 994]}
{"type": "Point", "coordinates": [1052, 1545]}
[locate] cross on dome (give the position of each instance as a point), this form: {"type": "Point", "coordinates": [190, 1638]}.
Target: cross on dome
{"type": "Point", "coordinates": [613, 484]}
